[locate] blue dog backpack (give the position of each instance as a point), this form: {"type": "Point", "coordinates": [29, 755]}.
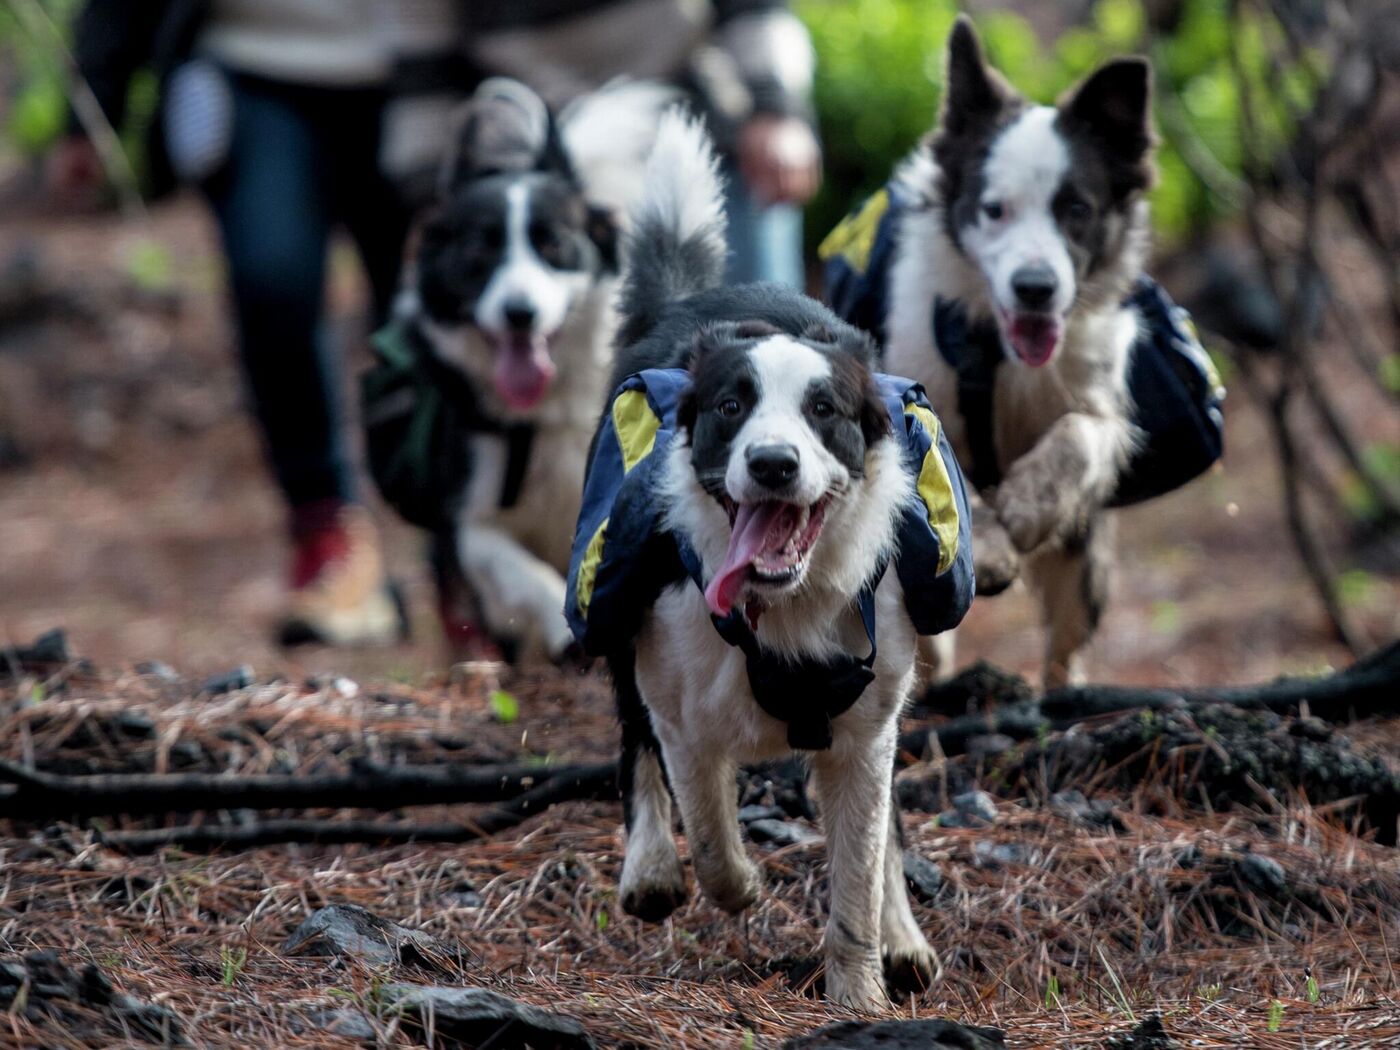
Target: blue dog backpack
{"type": "Point", "coordinates": [623, 557]}
{"type": "Point", "coordinates": [1176, 392]}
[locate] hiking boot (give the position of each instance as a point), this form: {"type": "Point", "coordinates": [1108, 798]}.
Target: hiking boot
{"type": "Point", "coordinates": [340, 594]}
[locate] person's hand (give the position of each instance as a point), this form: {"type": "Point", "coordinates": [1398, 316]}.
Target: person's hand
{"type": "Point", "coordinates": [73, 173]}
{"type": "Point", "coordinates": [780, 159]}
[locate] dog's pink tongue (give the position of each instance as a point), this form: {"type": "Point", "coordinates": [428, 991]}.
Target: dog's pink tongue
{"type": "Point", "coordinates": [758, 529]}
{"type": "Point", "coordinates": [1034, 338]}
{"type": "Point", "coordinates": [523, 369]}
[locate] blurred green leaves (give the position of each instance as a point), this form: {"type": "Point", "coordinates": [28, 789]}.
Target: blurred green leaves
{"type": "Point", "coordinates": [880, 71]}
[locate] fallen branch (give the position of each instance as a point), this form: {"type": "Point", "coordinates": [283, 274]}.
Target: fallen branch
{"type": "Point", "coordinates": [587, 783]}
{"type": "Point", "coordinates": [1370, 686]}
{"type": "Point", "coordinates": [35, 795]}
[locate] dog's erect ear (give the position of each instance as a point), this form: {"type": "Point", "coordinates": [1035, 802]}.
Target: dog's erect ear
{"type": "Point", "coordinates": [1114, 106]}
{"type": "Point", "coordinates": [504, 126]}
{"type": "Point", "coordinates": [973, 93]}
{"type": "Point", "coordinates": [603, 231]}
{"type": "Point", "coordinates": [874, 418]}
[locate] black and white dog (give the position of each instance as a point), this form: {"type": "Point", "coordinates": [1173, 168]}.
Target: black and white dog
{"type": "Point", "coordinates": [785, 480]}
{"type": "Point", "coordinates": [1035, 222]}
{"type": "Point", "coordinates": [512, 290]}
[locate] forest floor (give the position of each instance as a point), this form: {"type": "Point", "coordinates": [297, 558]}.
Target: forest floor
{"type": "Point", "coordinates": [135, 513]}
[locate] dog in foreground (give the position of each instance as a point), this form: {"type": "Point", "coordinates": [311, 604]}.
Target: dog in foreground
{"type": "Point", "coordinates": [764, 568]}
{"type": "Point", "coordinates": [479, 416]}
{"type": "Point", "coordinates": [1034, 228]}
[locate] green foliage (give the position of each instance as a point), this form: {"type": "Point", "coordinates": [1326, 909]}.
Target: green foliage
{"type": "Point", "coordinates": [504, 706]}
{"type": "Point", "coordinates": [231, 962]}
{"type": "Point", "coordinates": [1052, 992]}
{"type": "Point", "coordinates": [1275, 1016]}
{"type": "Point", "coordinates": [880, 71]}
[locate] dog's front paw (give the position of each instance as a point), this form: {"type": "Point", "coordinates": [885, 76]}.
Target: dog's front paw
{"type": "Point", "coordinates": [995, 559]}
{"type": "Point", "coordinates": [911, 968]}
{"type": "Point", "coordinates": [731, 886]}
{"type": "Point", "coordinates": [655, 895]}
{"type": "Point", "coordinates": [858, 986]}
{"type": "Point", "coordinates": [1031, 505]}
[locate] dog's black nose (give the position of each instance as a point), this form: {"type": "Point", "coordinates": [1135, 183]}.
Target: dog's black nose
{"type": "Point", "coordinates": [520, 315]}
{"type": "Point", "coordinates": [772, 466]}
{"type": "Point", "coordinates": [1034, 285]}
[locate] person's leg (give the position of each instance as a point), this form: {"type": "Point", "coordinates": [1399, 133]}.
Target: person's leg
{"type": "Point", "coordinates": [274, 211]}
{"type": "Point", "coordinates": [275, 221]}
{"type": "Point", "coordinates": [368, 204]}
{"type": "Point", "coordinates": [765, 242]}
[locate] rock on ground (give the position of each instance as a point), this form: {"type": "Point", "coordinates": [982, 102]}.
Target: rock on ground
{"type": "Point", "coordinates": [899, 1035]}
{"type": "Point", "coordinates": [349, 930]}
{"type": "Point", "coordinates": [471, 1017]}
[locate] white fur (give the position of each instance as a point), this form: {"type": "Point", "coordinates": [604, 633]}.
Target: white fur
{"type": "Point", "coordinates": [1022, 172]}
{"type": "Point", "coordinates": [608, 134]}
{"type": "Point", "coordinates": [684, 190]}
{"type": "Point", "coordinates": [784, 369]}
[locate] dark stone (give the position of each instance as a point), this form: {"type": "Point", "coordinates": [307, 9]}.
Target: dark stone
{"type": "Point", "coordinates": [971, 809]}
{"type": "Point", "coordinates": [899, 1035]}
{"type": "Point", "coordinates": [347, 1023]}
{"type": "Point", "coordinates": [157, 669]}
{"type": "Point", "coordinates": [83, 1000]}
{"type": "Point", "coordinates": [924, 877]}
{"type": "Point", "coordinates": [471, 1017]}
{"type": "Point", "coordinates": [136, 724]}
{"type": "Point", "coordinates": [1072, 805]}
{"type": "Point", "coordinates": [240, 677]}
{"type": "Point", "coordinates": [49, 649]}
{"type": "Point", "coordinates": [349, 930]}
{"type": "Point", "coordinates": [1150, 1034]}
{"type": "Point", "coordinates": [780, 832]}
{"type": "Point", "coordinates": [1262, 874]}
{"type": "Point", "coordinates": [995, 854]}
{"type": "Point", "coordinates": [748, 814]}
{"type": "Point", "coordinates": [988, 745]}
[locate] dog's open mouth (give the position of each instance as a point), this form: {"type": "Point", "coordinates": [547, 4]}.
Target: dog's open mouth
{"type": "Point", "coordinates": [524, 368]}
{"type": "Point", "coordinates": [1032, 336]}
{"type": "Point", "coordinates": [768, 546]}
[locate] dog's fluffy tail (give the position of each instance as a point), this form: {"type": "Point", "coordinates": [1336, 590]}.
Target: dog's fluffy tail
{"type": "Point", "coordinates": [676, 242]}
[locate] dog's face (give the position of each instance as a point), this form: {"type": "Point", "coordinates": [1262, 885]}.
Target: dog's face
{"type": "Point", "coordinates": [513, 246]}
{"type": "Point", "coordinates": [778, 430]}
{"type": "Point", "coordinates": [1035, 197]}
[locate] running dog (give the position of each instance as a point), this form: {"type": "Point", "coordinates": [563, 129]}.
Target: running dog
{"type": "Point", "coordinates": [505, 333]}
{"type": "Point", "coordinates": [762, 543]}
{"type": "Point", "coordinates": [1029, 232]}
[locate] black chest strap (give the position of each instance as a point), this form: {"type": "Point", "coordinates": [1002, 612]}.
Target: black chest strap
{"type": "Point", "coordinates": [520, 439]}
{"type": "Point", "coordinates": [808, 694]}
{"type": "Point", "coordinates": [974, 352]}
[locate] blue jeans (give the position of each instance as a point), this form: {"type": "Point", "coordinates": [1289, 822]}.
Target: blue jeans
{"type": "Point", "coordinates": [302, 161]}
{"type": "Point", "coordinates": [765, 243]}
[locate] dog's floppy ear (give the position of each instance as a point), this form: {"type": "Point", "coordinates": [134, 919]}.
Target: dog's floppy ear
{"type": "Point", "coordinates": [603, 231]}
{"type": "Point", "coordinates": [504, 126]}
{"type": "Point", "coordinates": [973, 93]}
{"type": "Point", "coordinates": [1114, 106]}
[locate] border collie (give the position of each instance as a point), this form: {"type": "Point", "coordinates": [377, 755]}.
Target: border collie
{"type": "Point", "coordinates": [512, 290]}
{"type": "Point", "coordinates": [785, 481]}
{"type": "Point", "coordinates": [1036, 223]}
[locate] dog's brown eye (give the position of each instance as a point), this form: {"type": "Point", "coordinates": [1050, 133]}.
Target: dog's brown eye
{"type": "Point", "coordinates": [823, 409]}
{"type": "Point", "coordinates": [729, 408]}
{"type": "Point", "coordinates": [993, 210]}
{"type": "Point", "coordinates": [1077, 210]}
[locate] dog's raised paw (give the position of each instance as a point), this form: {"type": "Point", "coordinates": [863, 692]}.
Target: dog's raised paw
{"type": "Point", "coordinates": [996, 561]}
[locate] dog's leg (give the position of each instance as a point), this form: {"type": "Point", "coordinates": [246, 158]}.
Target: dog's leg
{"type": "Point", "coordinates": [853, 782]}
{"type": "Point", "coordinates": [705, 788]}
{"type": "Point", "coordinates": [521, 597]}
{"type": "Point", "coordinates": [909, 960]}
{"type": "Point", "coordinates": [933, 662]}
{"type": "Point", "coordinates": [653, 883]}
{"type": "Point", "coordinates": [1072, 582]}
{"type": "Point", "coordinates": [1059, 485]}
